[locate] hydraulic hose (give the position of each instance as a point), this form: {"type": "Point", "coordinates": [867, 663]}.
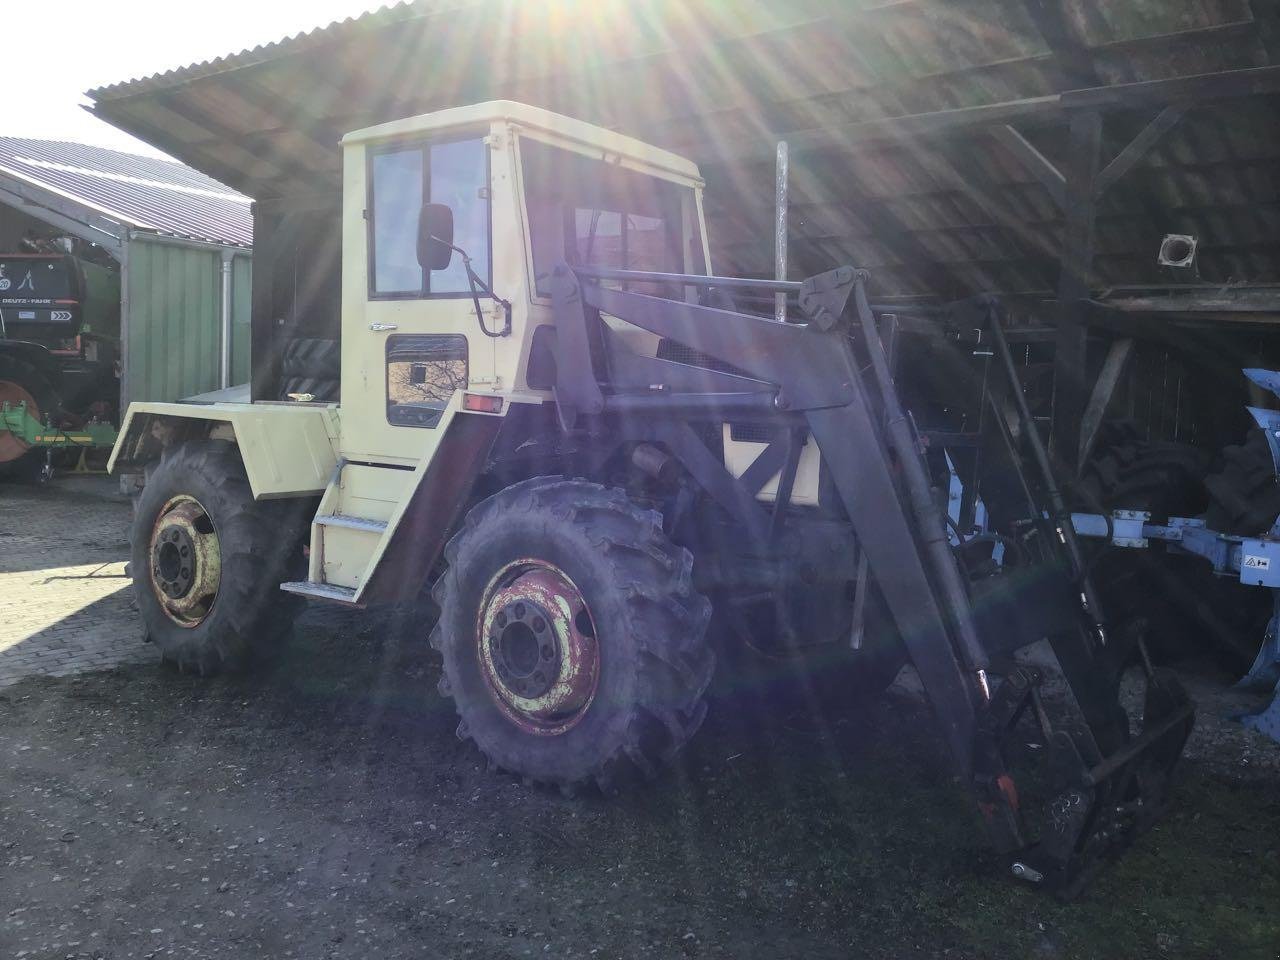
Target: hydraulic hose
{"type": "Point", "coordinates": [1060, 515]}
{"type": "Point", "coordinates": [928, 516]}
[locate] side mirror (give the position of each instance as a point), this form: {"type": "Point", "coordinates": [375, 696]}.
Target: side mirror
{"type": "Point", "coordinates": [435, 234]}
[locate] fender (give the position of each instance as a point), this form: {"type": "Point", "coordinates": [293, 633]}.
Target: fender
{"type": "Point", "coordinates": [433, 509]}
{"type": "Point", "coordinates": [288, 450]}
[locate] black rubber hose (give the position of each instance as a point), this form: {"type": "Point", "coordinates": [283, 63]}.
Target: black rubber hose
{"type": "Point", "coordinates": [928, 520]}
{"type": "Point", "coordinates": [1057, 505]}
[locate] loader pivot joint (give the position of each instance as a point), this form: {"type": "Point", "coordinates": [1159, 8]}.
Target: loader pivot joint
{"type": "Point", "coordinates": [823, 297]}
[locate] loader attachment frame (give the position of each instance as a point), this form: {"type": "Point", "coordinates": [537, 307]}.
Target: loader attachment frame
{"type": "Point", "coordinates": [808, 377]}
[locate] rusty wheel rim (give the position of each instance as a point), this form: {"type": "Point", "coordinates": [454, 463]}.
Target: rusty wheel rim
{"type": "Point", "coordinates": [536, 643]}
{"type": "Point", "coordinates": [11, 447]}
{"type": "Point", "coordinates": [186, 561]}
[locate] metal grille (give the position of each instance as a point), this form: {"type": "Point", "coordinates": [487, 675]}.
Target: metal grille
{"type": "Point", "coordinates": [679, 353]}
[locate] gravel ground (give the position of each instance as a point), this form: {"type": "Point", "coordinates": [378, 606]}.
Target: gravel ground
{"type": "Point", "coordinates": [322, 807]}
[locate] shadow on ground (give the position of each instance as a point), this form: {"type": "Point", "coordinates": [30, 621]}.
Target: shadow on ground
{"type": "Point", "coordinates": [64, 603]}
{"type": "Point", "coordinates": [323, 807]}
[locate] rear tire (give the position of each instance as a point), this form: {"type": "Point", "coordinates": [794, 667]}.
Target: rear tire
{"type": "Point", "coordinates": [1244, 499]}
{"type": "Point", "coordinates": [627, 666]}
{"type": "Point", "coordinates": [1162, 477]}
{"type": "Point", "coordinates": [207, 559]}
{"type": "Point", "coordinates": [21, 381]}
{"type": "Point", "coordinates": [1244, 496]}
{"type": "Point", "coordinates": [1165, 479]}
{"type": "Point", "coordinates": [311, 367]}
{"type": "Point", "coordinates": [793, 649]}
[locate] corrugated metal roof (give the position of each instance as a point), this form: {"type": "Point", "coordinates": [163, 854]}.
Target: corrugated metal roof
{"type": "Point", "coordinates": [392, 13]}
{"type": "Point", "coordinates": [713, 80]}
{"type": "Point", "coordinates": [146, 193]}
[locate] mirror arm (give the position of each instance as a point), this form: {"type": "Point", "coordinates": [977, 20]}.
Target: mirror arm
{"type": "Point", "coordinates": [477, 284]}
{"type": "Point", "coordinates": [474, 279]}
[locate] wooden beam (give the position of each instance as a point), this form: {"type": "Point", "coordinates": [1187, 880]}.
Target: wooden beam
{"type": "Point", "coordinates": [1138, 147]}
{"type": "Point", "coordinates": [846, 136]}
{"type": "Point", "coordinates": [1222, 356]}
{"type": "Point", "coordinates": [1033, 161]}
{"type": "Point", "coordinates": [1069, 363]}
{"type": "Point", "coordinates": [1104, 388]}
{"type": "Point", "coordinates": [1224, 85]}
{"type": "Point", "coordinates": [1232, 31]}
{"type": "Point", "coordinates": [1266, 22]}
{"type": "Point", "coordinates": [1222, 301]}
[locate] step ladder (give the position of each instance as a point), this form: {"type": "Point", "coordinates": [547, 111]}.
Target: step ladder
{"type": "Point", "coordinates": [349, 530]}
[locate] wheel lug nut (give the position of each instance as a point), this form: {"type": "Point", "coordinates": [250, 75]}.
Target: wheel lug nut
{"type": "Point", "coordinates": [547, 652]}
{"type": "Point", "coordinates": [539, 624]}
{"type": "Point", "coordinates": [519, 611]}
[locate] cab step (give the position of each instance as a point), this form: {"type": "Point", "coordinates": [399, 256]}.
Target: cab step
{"type": "Point", "coordinates": [322, 591]}
{"type": "Point", "coordinates": [352, 523]}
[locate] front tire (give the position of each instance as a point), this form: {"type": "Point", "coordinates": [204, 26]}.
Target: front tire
{"type": "Point", "coordinates": [207, 559]}
{"type": "Point", "coordinates": [572, 635]}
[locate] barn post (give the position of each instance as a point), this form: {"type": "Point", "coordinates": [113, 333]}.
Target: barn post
{"type": "Point", "coordinates": [1074, 283]}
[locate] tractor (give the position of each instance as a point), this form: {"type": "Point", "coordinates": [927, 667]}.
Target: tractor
{"type": "Point", "coordinates": [553, 415]}
{"type": "Point", "coordinates": [59, 357]}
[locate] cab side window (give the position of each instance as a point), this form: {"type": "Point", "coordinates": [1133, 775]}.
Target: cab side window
{"type": "Point", "coordinates": [401, 179]}
{"type": "Point", "coordinates": [597, 214]}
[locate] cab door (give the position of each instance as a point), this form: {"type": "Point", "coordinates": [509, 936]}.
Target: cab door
{"type": "Point", "coordinates": [416, 341]}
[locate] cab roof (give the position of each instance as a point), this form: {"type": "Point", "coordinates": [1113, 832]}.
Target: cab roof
{"type": "Point", "coordinates": [536, 118]}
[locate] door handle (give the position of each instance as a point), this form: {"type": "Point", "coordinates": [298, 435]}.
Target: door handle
{"type": "Point", "coordinates": [379, 327]}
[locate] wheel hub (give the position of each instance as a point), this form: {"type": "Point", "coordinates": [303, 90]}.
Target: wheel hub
{"type": "Point", "coordinates": [186, 561]}
{"type": "Point", "coordinates": [523, 648]}
{"type": "Point", "coordinates": [537, 648]}
{"type": "Point", "coordinates": [173, 559]}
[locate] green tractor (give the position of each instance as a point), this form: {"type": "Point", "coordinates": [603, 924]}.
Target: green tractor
{"type": "Point", "coordinates": [59, 359]}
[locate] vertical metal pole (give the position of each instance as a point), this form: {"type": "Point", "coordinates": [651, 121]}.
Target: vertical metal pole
{"type": "Point", "coordinates": [224, 366]}
{"type": "Point", "coordinates": [126, 236]}
{"type": "Point", "coordinates": [782, 191]}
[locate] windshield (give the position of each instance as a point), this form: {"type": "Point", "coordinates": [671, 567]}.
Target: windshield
{"type": "Point", "coordinates": [593, 213]}
{"type": "Point", "coordinates": [27, 279]}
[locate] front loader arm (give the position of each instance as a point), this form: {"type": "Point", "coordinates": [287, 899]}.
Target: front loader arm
{"type": "Point", "coordinates": [1107, 787]}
